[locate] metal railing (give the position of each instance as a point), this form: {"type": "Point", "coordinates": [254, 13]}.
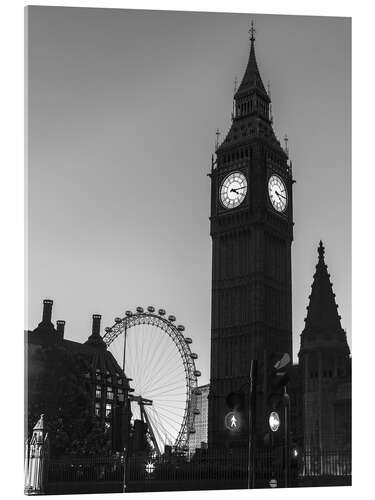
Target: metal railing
{"type": "Point", "coordinates": [202, 470]}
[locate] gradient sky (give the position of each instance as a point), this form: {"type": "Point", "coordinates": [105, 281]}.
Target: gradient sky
{"type": "Point", "coordinates": [123, 108]}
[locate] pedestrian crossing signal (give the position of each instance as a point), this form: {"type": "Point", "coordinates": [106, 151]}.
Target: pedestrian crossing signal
{"type": "Point", "coordinates": [233, 421]}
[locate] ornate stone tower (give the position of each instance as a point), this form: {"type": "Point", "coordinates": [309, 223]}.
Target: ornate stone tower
{"type": "Point", "coordinates": [252, 232]}
{"type": "Point", "coordinates": [324, 358]}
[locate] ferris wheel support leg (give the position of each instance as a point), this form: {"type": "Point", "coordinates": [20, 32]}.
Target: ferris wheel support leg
{"type": "Point", "coordinates": [150, 429]}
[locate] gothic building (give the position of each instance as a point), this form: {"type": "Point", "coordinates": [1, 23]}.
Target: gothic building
{"type": "Point", "coordinates": [108, 387]}
{"type": "Point", "coordinates": [325, 369]}
{"type": "Point", "coordinates": [251, 226]}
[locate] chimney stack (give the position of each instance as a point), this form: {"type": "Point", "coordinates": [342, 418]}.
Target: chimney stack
{"type": "Point", "coordinates": [47, 310]}
{"type": "Point", "coordinates": [60, 327]}
{"type": "Point", "coordinates": [96, 325]}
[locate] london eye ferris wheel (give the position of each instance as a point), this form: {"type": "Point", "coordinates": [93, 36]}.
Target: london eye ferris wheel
{"type": "Point", "coordinates": [155, 354]}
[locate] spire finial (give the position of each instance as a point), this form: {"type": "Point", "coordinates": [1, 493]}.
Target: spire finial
{"type": "Point", "coordinates": [217, 139]}
{"type": "Point", "coordinates": [252, 32]}
{"type": "Point", "coordinates": [286, 139]}
{"type": "Point", "coordinates": [269, 95]}
{"type": "Point", "coordinates": [321, 250]}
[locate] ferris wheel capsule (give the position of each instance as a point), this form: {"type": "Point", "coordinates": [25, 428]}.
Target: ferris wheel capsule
{"type": "Point", "coordinates": [181, 328]}
{"type": "Point", "coordinates": [129, 313]}
{"type": "Point", "coordinates": [151, 309]}
{"type": "Point", "coordinates": [192, 431]}
{"type": "Point", "coordinates": [107, 329]}
{"type": "Point", "coordinates": [140, 309]}
{"type": "Point", "coordinates": [118, 320]}
{"type": "Point", "coordinates": [162, 312]}
{"type": "Point", "coordinates": [194, 355]}
{"type": "Point", "coordinates": [171, 317]}
{"type": "Point", "coordinates": [188, 340]}
{"type": "Point", "coordinates": [197, 373]}
{"type": "Point", "coordinates": [197, 411]}
{"type": "Point", "coordinates": [197, 392]}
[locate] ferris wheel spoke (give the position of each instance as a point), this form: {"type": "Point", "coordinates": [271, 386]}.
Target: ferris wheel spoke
{"type": "Point", "coordinates": [164, 372]}
{"type": "Point", "coordinates": [171, 422]}
{"type": "Point", "coordinates": [148, 358]}
{"type": "Point", "coordinates": [160, 385]}
{"type": "Point", "coordinates": [176, 416]}
{"type": "Point", "coordinates": [170, 386]}
{"type": "Point", "coordinates": [166, 407]}
{"type": "Point", "coordinates": [157, 362]}
{"type": "Point", "coordinates": [160, 428]}
{"type": "Point", "coordinates": [167, 350]}
{"type": "Point", "coordinates": [159, 425]}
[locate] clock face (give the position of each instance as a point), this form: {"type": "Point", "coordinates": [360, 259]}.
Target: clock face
{"type": "Point", "coordinates": [233, 190]}
{"type": "Point", "coordinates": [277, 193]}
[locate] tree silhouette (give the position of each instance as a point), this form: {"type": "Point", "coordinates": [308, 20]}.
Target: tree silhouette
{"type": "Point", "coordinates": [59, 389]}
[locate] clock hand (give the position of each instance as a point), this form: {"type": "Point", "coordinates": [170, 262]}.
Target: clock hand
{"type": "Point", "coordinates": [279, 194]}
{"type": "Point", "coordinates": [236, 189]}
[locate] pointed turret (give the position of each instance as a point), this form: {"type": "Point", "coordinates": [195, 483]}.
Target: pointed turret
{"type": "Point", "coordinates": [324, 360]}
{"type": "Point", "coordinates": [322, 309]}
{"type": "Point", "coordinates": [323, 322]}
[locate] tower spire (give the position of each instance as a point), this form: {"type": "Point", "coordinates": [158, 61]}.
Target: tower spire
{"type": "Point", "coordinates": [322, 314]}
{"type": "Point", "coordinates": [252, 80]}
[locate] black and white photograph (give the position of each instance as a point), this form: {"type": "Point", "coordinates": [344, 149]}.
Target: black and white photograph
{"type": "Point", "coordinates": [188, 251]}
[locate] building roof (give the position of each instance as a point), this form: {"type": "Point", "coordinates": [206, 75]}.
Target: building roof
{"type": "Point", "coordinates": [94, 350]}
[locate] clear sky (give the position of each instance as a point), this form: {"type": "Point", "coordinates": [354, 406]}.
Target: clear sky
{"type": "Point", "coordinates": [123, 108]}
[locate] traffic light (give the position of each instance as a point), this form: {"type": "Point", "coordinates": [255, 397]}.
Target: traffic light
{"type": "Point", "coordinates": [277, 379]}
{"type": "Point", "coordinates": [235, 400]}
{"type": "Point", "coordinates": [233, 420]}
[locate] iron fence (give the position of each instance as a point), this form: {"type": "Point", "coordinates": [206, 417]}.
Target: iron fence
{"type": "Point", "coordinates": [205, 469]}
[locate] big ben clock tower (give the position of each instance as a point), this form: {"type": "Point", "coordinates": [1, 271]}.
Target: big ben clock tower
{"type": "Point", "coordinates": [252, 232]}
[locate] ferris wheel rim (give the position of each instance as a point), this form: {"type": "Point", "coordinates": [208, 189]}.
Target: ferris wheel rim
{"type": "Point", "coordinates": [166, 324]}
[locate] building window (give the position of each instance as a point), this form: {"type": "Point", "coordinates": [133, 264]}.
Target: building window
{"type": "Point", "coordinates": [108, 409]}
{"type": "Point", "coordinates": [98, 392]}
{"type": "Point", "coordinates": [97, 409]}
{"type": "Point", "coordinates": [120, 395]}
{"type": "Point", "coordinates": [110, 393]}
{"type": "Point", "coordinates": [98, 374]}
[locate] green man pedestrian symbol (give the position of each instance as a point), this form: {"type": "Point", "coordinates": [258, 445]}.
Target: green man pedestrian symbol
{"type": "Point", "coordinates": [232, 421]}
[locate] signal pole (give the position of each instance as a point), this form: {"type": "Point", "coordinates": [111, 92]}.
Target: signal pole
{"type": "Point", "coordinates": [286, 437]}
{"type": "Point", "coordinates": [252, 401]}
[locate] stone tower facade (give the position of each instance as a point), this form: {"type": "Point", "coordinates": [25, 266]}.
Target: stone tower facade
{"type": "Point", "coordinates": [251, 226]}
